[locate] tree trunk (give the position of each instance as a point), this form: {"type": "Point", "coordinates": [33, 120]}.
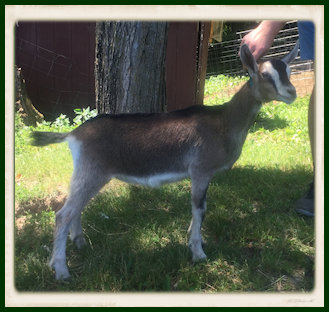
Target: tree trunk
{"type": "Point", "coordinates": [130, 67]}
{"type": "Point", "coordinates": [24, 106]}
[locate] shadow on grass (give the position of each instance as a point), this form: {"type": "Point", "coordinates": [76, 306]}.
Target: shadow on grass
{"type": "Point", "coordinates": [269, 123]}
{"type": "Point", "coordinates": [137, 241]}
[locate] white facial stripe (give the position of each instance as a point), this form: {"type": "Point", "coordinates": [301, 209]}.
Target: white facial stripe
{"type": "Point", "coordinates": [288, 70]}
{"type": "Point", "coordinates": [283, 90]}
{"type": "Point", "coordinates": [268, 67]}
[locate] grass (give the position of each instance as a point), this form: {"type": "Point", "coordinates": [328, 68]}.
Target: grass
{"type": "Point", "coordinates": [137, 237]}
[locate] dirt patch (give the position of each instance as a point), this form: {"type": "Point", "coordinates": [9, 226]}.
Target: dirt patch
{"type": "Point", "coordinates": [303, 83]}
{"type": "Point", "coordinates": [34, 206]}
{"type": "Point", "coordinates": [38, 205]}
{"type": "Point", "coordinates": [20, 222]}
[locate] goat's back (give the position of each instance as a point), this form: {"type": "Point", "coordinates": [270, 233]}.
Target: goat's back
{"type": "Point", "coordinates": [141, 144]}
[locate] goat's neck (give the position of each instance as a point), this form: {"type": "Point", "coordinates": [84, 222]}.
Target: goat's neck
{"type": "Point", "coordinates": [243, 108]}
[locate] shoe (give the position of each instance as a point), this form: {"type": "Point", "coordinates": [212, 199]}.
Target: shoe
{"type": "Point", "coordinates": [305, 205]}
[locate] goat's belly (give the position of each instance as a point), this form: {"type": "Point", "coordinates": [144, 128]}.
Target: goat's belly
{"type": "Point", "coordinates": [155, 180]}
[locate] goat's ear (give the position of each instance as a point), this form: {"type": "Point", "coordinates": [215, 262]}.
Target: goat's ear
{"type": "Point", "coordinates": [248, 60]}
{"type": "Point", "coordinates": [291, 55]}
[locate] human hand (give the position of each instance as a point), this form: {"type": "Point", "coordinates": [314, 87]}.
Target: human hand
{"type": "Point", "coordinates": [261, 38]}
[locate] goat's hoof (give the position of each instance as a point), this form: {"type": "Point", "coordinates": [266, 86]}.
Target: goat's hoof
{"type": "Point", "coordinates": [197, 251]}
{"type": "Point", "coordinates": [199, 258]}
{"type": "Point", "coordinates": [62, 275]}
{"type": "Point", "coordinates": [61, 270]}
{"type": "Point", "coordinates": [79, 242]}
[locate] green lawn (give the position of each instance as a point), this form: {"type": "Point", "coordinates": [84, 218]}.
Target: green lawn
{"type": "Point", "coordinates": [137, 237]}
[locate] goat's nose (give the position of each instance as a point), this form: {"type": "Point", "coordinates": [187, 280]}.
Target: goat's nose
{"type": "Point", "coordinates": [292, 91]}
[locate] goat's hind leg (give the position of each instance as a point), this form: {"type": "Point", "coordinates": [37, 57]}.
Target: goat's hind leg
{"type": "Point", "coordinates": [76, 232]}
{"type": "Point", "coordinates": [63, 220]}
{"type": "Point", "coordinates": [84, 185]}
{"type": "Point", "coordinates": [199, 191]}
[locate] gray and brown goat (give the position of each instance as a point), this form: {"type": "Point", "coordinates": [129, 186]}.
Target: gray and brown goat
{"type": "Point", "coordinates": [158, 148]}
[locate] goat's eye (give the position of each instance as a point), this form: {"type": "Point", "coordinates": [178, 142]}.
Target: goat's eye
{"type": "Point", "coordinates": [266, 76]}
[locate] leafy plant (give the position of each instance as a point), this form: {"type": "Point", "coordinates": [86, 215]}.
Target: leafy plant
{"type": "Point", "coordinates": [84, 114]}
{"type": "Point", "coordinates": [61, 121]}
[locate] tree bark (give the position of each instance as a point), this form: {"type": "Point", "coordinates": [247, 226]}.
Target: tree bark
{"type": "Point", "coordinates": [130, 67]}
{"type": "Point", "coordinates": [24, 105]}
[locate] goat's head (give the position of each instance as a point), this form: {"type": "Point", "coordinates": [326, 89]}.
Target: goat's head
{"type": "Point", "coordinates": [270, 79]}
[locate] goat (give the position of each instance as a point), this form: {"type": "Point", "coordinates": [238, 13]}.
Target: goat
{"type": "Point", "coordinates": [157, 148]}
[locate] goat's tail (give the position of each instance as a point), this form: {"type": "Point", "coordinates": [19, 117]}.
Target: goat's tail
{"type": "Point", "coordinates": [45, 138]}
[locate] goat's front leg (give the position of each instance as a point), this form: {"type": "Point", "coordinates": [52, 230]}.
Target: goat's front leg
{"type": "Point", "coordinates": [199, 191]}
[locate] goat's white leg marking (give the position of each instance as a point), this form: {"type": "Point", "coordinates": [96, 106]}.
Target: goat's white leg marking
{"type": "Point", "coordinates": [58, 259]}
{"type": "Point", "coordinates": [75, 147]}
{"type": "Point", "coordinates": [76, 233]}
{"type": "Point", "coordinates": [199, 190]}
{"type": "Point", "coordinates": [86, 182]}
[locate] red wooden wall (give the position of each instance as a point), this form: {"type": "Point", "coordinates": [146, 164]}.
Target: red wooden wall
{"type": "Point", "coordinates": [186, 63]}
{"type": "Point", "coordinates": [57, 61]}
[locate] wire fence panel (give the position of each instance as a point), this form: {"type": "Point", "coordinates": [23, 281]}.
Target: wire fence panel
{"type": "Point", "coordinates": [223, 58]}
